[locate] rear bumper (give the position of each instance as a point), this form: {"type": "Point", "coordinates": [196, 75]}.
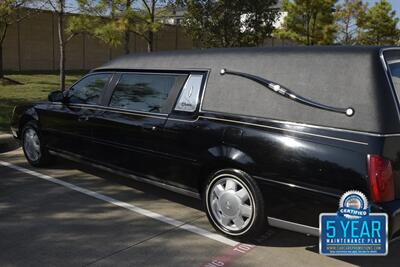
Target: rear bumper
{"type": "Point", "coordinates": [393, 211]}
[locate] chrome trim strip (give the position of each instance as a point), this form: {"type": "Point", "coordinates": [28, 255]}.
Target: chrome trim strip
{"type": "Point", "coordinates": [291, 226]}
{"type": "Point", "coordinates": [174, 119]}
{"type": "Point", "coordinates": [79, 159]}
{"type": "Point", "coordinates": [300, 124]}
{"type": "Point", "coordinates": [116, 110]}
{"type": "Point", "coordinates": [282, 129]}
{"type": "Point", "coordinates": [298, 187]}
{"type": "Point", "coordinates": [204, 90]}
{"type": "Point", "coordinates": [148, 72]}
{"type": "Point", "coordinates": [163, 116]}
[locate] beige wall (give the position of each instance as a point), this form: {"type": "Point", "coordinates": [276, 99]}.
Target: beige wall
{"type": "Point", "coordinates": [33, 45]}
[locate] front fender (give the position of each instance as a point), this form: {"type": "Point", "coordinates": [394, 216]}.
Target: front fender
{"type": "Point", "coordinates": [21, 115]}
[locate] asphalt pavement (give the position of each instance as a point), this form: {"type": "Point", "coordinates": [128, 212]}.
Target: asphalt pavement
{"type": "Point", "coordinates": [73, 215]}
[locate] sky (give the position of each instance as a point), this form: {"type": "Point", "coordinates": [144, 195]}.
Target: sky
{"type": "Point", "coordinates": [395, 4]}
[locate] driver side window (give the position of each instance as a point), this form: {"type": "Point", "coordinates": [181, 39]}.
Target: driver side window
{"type": "Point", "coordinates": [89, 89]}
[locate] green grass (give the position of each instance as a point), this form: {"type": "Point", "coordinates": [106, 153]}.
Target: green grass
{"type": "Point", "coordinates": [34, 87]}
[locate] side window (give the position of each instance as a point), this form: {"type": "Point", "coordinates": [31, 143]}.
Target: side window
{"type": "Point", "coordinates": [395, 73]}
{"type": "Point", "coordinates": [89, 89]}
{"type": "Point", "coordinates": [144, 92]}
{"type": "Point", "coordinates": [189, 97]}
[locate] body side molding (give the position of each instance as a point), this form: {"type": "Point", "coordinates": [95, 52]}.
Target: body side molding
{"type": "Point", "coordinates": [291, 226]}
{"type": "Point", "coordinates": [76, 158]}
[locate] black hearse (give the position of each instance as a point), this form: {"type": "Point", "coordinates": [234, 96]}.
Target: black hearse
{"type": "Point", "coordinates": [263, 136]}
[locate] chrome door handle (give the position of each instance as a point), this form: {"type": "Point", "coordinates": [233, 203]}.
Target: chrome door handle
{"type": "Point", "coordinates": [150, 127]}
{"type": "Point", "coordinates": [83, 118]}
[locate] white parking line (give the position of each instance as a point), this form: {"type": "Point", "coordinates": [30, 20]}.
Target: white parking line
{"type": "Point", "coordinates": [144, 212]}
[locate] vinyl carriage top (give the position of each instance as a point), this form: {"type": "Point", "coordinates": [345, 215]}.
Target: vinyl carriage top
{"type": "Point", "coordinates": [338, 76]}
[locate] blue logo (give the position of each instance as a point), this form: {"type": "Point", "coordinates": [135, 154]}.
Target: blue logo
{"type": "Point", "coordinates": [353, 205]}
{"type": "Point", "coordinates": [353, 230]}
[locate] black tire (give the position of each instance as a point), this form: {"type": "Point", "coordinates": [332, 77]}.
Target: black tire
{"type": "Point", "coordinates": [43, 158]}
{"type": "Point", "coordinates": [257, 223]}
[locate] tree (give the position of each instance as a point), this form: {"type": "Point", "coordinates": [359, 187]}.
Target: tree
{"type": "Point", "coordinates": [212, 23]}
{"type": "Point", "coordinates": [257, 21]}
{"type": "Point", "coordinates": [147, 20]}
{"type": "Point", "coordinates": [59, 8]}
{"type": "Point", "coordinates": [100, 19]}
{"type": "Point", "coordinates": [349, 17]}
{"type": "Point", "coordinates": [10, 14]}
{"type": "Point", "coordinates": [113, 21]}
{"type": "Point", "coordinates": [309, 22]}
{"type": "Point", "coordinates": [231, 23]}
{"type": "Point", "coordinates": [379, 25]}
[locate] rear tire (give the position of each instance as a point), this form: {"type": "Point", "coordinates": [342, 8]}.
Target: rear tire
{"type": "Point", "coordinates": [234, 205]}
{"type": "Point", "coordinates": [32, 143]}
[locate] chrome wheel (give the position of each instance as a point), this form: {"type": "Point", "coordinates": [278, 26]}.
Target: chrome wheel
{"type": "Point", "coordinates": [231, 203]}
{"type": "Point", "coordinates": [32, 145]}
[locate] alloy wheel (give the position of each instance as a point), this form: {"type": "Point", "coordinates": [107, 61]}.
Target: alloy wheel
{"type": "Point", "coordinates": [32, 144]}
{"type": "Point", "coordinates": [231, 204]}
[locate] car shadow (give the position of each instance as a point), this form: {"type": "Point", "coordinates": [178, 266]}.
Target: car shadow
{"type": "Point", "coordinates": [273, 237]}
{"type": "Point", "coordinates": [129, 182]}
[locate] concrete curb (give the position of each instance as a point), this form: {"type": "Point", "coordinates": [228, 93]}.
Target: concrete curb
{"type": "Point", "coordinates": [8, 143]}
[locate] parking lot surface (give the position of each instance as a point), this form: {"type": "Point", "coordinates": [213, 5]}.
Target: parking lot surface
{"type": "Point", "coordinates": [73, 215]}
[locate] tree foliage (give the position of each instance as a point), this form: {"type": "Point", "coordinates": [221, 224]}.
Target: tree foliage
{"type": "Point", "coordinates": [10, 14]}
{"type": "Point", "coordinates": [112, 21]}
{"type": "Point", "coordinates": [231, 23]}
{"type": "Point", "coordinates": [308, 22]}
{"type": "Point", "coordinates": [349, 15]}
{"type": "Point", "coordinates": [379, 25]}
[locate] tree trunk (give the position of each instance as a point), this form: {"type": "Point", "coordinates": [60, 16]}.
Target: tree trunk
{"type": "Point", "coordinates": [61, 44]}
{"type": "Point", "coordinates": [1, 62]}
{"type": "Point", "coordinates": [2, 37]}
{"type": "Point", "coordinates": [127, 32]}
{"type": "Point", "coordinates": [126, 41]}
{"type": "Point", "coordinates": [308, 29]}
{"type": "Point", "coordinates": [150, 35]}
{"type": "Point", "coordinates": [150, 42]}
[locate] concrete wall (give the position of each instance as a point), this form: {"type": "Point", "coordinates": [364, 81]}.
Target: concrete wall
{"type": "Point", "coordinates": [32, 44]}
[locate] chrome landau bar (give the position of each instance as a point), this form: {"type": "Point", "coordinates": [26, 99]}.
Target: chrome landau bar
{"type": "Point", "coordinates": [281, 90]}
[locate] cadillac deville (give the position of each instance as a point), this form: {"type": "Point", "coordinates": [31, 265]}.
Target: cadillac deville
{"type": "Point", "coordinates": [262, 136]}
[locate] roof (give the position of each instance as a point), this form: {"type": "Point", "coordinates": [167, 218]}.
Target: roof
{"type": "Point", "coordinates": [165, 58]}
{"type": "Point", "coordinates": [339, 76]}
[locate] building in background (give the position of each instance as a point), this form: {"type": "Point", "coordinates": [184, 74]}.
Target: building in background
{"type": "Point", "coordinates": [179, 14]}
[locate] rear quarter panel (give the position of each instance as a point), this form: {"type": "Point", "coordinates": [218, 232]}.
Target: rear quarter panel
{"type": "Point", "coordinates": [301, 171]}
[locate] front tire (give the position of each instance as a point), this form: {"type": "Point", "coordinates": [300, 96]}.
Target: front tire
{"type": "Point", "coordinates": [32, 143]}
{"type": "Point", "coordinates": [234, 204]}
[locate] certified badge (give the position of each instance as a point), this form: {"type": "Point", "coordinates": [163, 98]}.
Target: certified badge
{"type": "Point", "coordinates": [353, 205]}
{"type": "Point", "coordinates": [353, 230]}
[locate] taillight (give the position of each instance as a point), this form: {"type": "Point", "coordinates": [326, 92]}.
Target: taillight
{"type": "Point", "coordinates": [380, 179]}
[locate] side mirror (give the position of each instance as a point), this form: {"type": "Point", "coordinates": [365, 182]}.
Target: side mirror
{"type": "Point", "coordinates": [57, 96]}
